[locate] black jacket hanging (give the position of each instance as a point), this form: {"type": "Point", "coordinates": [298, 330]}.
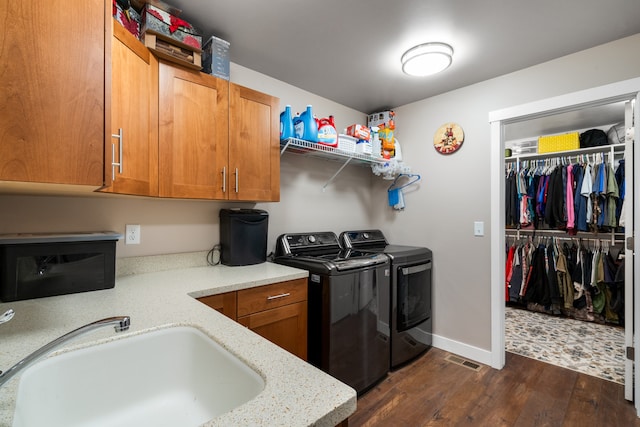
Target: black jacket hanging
{"type": "Point", "coordinates": [538, 283]}
{"type": "Point", "coordinates": [552, 278]}
{"type": "Point", "coordinates": [512, 217]}
{"type": "Point", "coordinates": [554, 209]}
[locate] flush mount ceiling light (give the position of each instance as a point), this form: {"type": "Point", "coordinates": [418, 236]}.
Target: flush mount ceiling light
{"type": "Point", "coordinates": [426, 59]}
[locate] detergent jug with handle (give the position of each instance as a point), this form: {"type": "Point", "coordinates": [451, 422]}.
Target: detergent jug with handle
{"type": "Point", "coordinates": [327, 134]}
{"type": "Point", "coordinates": [305, 126]}
{"type": "Point", "coordinates": [286, 124]}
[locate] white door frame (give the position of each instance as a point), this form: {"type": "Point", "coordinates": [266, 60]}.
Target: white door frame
{"type": "Point", "coordinates": [627, 88]}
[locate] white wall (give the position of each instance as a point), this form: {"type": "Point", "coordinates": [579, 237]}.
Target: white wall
{"type": "Point", "coordinates": [439, 214]}
{"type": "Point", "coordinates": [455, 189]}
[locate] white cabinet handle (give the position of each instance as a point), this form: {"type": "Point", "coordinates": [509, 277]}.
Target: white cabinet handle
{"type": "Point", "coordinates": [269, 298]}
{"type": "Point", "coordinates": [236, 180]}
{"type": "Point", "coordinates": [224, 179]}
{"type": "Point", "coordinates": [113, 154]}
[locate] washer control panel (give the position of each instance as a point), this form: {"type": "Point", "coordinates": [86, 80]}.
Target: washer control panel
{"type": "Point", "coordinates": [296, 242]}
{"type": "Point", "coordinates": [355, 239]}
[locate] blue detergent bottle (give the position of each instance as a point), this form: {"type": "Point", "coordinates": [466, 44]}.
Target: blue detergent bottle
{"type": "Point", "coordinates": [305, 126]}
{"type": "Point", "coordinates": [286, 124]}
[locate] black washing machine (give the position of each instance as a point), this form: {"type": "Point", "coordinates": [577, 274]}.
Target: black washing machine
{"type": "Point", "coordinates": [348, 306]}
{"type": "Point", "coordinates": [411, 283]}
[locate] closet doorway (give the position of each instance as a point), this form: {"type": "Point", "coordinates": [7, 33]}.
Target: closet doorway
{"type": "Point", "coordinates": [595, 108]}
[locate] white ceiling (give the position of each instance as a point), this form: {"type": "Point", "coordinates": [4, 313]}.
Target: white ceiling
{"type": "Point", "coordinates": [349, 50]}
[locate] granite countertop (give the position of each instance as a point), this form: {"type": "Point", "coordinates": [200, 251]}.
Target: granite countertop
{"type": "Point", "coordinates": [295, 394]}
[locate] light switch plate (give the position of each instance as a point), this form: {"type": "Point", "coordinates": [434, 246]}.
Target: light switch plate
{"type": "Point", "coordinates": [478, 228]}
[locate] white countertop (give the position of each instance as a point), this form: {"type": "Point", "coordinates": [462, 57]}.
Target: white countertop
{"type": "Point", "coordinates": [295, 394]}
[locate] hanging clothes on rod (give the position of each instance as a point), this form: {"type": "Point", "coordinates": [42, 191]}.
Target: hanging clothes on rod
{"type": "Point", "coordinates": [583, 193]}
{"type": "Point", "coordinates": [578, 278]}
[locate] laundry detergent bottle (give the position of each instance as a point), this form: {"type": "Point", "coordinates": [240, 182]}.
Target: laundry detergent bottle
{"type": "Point", "coordinates": [305, 126]}
{"type": "Point", "coordinates": [327, 134]}
{"type": "Point", "coordinates": [286, 124]}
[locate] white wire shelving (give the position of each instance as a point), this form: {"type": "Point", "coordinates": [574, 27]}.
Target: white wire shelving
{"type": "Point", "coordinates": [311, 149]}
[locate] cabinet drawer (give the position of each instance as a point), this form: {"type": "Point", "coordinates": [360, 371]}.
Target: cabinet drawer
{"type": "Point", "coordinates": [271, 296]}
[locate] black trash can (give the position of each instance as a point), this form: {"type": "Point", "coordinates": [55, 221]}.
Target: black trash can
{"type": "Point", "coordinates": [243, 236]}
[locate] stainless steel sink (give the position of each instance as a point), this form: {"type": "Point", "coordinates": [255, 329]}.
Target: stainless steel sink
{"type": "Point", "coordinates": [167, 377]}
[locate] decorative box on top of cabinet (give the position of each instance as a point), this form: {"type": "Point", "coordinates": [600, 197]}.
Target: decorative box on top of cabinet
{"type": "Point", "coordinates": [52, 127]}
{"type": "Point", "coordinates": [277, 312]}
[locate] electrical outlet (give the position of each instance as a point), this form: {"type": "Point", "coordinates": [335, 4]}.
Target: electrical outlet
{"type": "Point", "coordinates": [132, 234]}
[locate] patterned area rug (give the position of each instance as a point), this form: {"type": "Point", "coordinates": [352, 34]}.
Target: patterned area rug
{"type": "Point", "coordinates": [586, 347]}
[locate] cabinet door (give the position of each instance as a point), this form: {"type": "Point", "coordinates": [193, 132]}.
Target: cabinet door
{"type": "Point", "coordinates": [254, 145]}
{"type": "Point", "coordinates": [52, 91]}
{"type": "Point", "coordinates": [284, 326]}
{"type": "Point", "coordinates": [193, 133]}
{"type": "Point", "coordinates": [131, 118]}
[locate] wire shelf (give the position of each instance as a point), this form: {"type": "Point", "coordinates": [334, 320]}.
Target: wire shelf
{"type": "Point", "coordinates": [303, 147]}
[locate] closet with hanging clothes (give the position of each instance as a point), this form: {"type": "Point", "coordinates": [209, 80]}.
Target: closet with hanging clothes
{"type": "Point", "coordinates": [566, 222]}
{"type": "Point", "coordinates": [574, 201]}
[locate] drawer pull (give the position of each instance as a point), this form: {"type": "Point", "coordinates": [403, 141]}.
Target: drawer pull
{"type": "Point", "coordinates": [269, 298]}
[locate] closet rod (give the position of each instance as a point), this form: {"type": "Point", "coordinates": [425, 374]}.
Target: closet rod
{"type": "Point", "coordinates": [612, 237]}
{"type": "Point", "coordinates": [575, 239]}
{"type": "Point", "coordinates": [606, 149]}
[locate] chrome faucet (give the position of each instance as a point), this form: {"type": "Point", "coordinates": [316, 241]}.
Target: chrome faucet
{"type": "Point", "coordinates": [121, 323]}
{"type": "Point", "coordinates": [8, 315]}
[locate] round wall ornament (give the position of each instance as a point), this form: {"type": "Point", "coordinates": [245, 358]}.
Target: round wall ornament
{"type": "Point", "coordinates": [448, 138]}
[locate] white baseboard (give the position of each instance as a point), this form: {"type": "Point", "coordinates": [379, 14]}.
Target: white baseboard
{"type": "Point", "coordinates": [463, 350]}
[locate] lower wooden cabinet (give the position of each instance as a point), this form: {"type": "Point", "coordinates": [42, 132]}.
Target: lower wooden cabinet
{"type": "Point", "coordinates": [277, 312]}
{"type": "Point", "coordinates": [285, 326]}
{"type": "Point", "coordinates": [224, 303]}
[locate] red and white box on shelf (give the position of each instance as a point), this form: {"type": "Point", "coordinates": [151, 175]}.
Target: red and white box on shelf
{"type": "Point", "coordinates": [359, 132]}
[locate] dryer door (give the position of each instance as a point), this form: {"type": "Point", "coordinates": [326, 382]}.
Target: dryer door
{"type": "Point", "coordinates": [413, 295]}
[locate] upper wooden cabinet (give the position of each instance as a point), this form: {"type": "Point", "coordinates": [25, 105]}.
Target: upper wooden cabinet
{"type": "Point", "coordinates": [193, 133]}
{"type": "Point", "coordinates": [52, 90]}
{"type": "Point", "coordinates": [216, 140]}
{"type": "Point", "coordinates": [85, 103]}
{"type": "Point", "coordinates": [254, 145]}
{"type": "Point", "coordinates": [131, 148]}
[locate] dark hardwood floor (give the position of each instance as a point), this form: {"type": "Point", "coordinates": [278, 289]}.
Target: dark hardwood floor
{"type": "Point", "coordinates": [433, 391]}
